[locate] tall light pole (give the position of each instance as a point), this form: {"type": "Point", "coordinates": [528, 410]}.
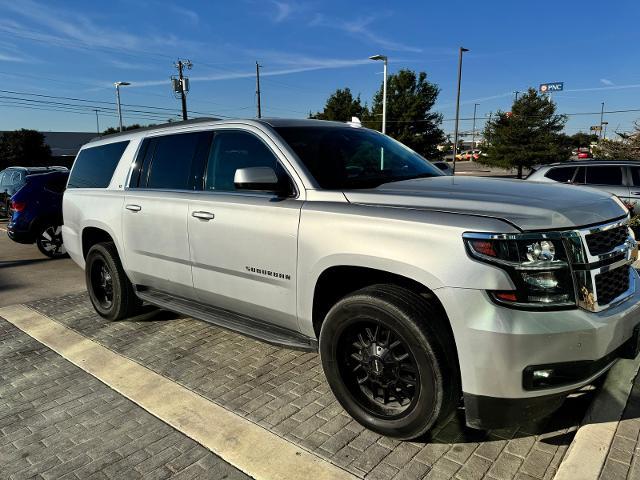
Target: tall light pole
{"type": "Point", "coordinates": [601, 119]}
{"type": "Point", "coordinates": [455, 128]}
{"type": "Point", "coordinates": [384, 90]}
{"type": "Point", "coordinates": [473, 132]}
{"type": "Point", "coordinates": [118, 85]}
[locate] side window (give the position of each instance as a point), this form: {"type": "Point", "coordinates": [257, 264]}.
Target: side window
{"type": "Point", "coordinates": [561, 174]}
{"type": "Point", "coordinates": [604, 175]}
{"type": "Point", "coordinates": [56, 184]}
{"type": "Point", "coordinates": [635, 176]}
{"type": "Point", "coordinates": [94, 166]}
{"type": "Point", "coordinates": [233, 150]}
{"type": "Point", "coordinates": [176, 161]}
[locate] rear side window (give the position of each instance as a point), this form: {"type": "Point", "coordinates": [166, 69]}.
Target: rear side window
{"type": "Point", "coordinates": [562, 174]}
{"type": "Point", "coordinates": [635, 176]}
{"type": "Point", "coordinates": [94, 166]}
{"type": "Point", "coordinates": [605, 175]}
{"type": "Point", "coordinates": [173, 162]}
{"type": "Point", "coordinates": [56, 184]}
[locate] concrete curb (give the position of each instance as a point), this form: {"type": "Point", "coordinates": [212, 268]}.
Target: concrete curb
{"type": "Point", "coordinates": [588, 451]}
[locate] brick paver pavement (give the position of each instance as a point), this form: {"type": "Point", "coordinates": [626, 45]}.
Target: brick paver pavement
{"type": "Point", "coordinates": [623, 459]}
{"type": "Point", "coordinates": [285, 392]}
{"type": "Point", "coordinates": [57, 421]}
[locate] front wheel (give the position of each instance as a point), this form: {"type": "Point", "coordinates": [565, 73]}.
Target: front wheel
{"type": "Point", "coordinates": [110, 290]}
{"type": "Point", "coordinates": [384, 351]}
{"type": "Point", "coordinates": [49, 242]}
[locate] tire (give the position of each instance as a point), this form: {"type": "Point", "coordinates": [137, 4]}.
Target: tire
{"type": "Point", "coordinates": [110, 290]}
{"type": "Point", "coordinates": [376, 343]}
{"type": "Point", "coordinates": [49, 241]}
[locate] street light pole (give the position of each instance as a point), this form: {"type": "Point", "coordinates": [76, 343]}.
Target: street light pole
{"type": "Point", "coordinates": [384, 90]}
{"type": "Point", "coordinates": [473, 130]}
{"type": "Point", "coordinates": [118, 85]}
{"type": "Point", "coordinates": [601, 119]}
{"type": "Point", "coordinates": [455, 129]}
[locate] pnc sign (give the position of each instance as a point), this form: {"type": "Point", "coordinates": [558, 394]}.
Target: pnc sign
{"type": "Point", "coordinates": [551, 87]}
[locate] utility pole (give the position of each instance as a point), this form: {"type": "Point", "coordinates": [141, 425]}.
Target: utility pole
{"type": "Point", "coordinates": [601, 119]}
{"type": "Point", "coordinates": [473, 131]}
{"type": "Point", "coordinates": [258, 89]}
{"type": "Point", "coordinates": [97, 121]}
{"type": "Point", "coordinates": [516, 93]}
{"type": "Point", "coordinates": [455, 130]}
{"type": "Point", "coordinates": [118, 85]}
{"type": "Point", "coordinates": [182, 84]}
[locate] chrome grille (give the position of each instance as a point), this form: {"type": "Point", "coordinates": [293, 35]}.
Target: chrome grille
{"type": "Point", "coordinates": [610, 285]}
{"type": "Point", "coordinates": [606, 240]}
{"type": "Point", "coordinates": [601, 258]}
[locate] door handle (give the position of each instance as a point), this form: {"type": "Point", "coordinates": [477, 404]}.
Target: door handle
{"type": "Point", "coordinates": [635, 193]}
{"type": "Point", "coordinates": [133, 208]}
{"type": "Point", "coordinates": [203, 215]}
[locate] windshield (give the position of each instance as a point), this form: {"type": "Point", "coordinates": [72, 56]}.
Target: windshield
{"type": "Point", "coordinates": [348, 158]}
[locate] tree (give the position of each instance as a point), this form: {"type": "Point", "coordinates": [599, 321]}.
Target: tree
{"type": "Point", "coordinates": [23, 147]}
{"type": "Point", "coordinates": [134, 126]}
{"type": "Point", "coordinates": [410, 98]}
{"type": "Point", "coordinates": [582, 139]}
{"type": "Point", "coordinates": [625, 148]}
{"type": "Point", "coordinates": [341, 106]}
{"type": "Point", "coordinates": [528, 135]}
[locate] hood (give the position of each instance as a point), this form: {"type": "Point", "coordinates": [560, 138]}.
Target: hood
{"type": "Point", "coordinates": [527, 205]}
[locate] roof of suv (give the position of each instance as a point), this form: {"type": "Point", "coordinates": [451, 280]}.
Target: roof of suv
{"type": "Point", "coordinates": [578, 163]}
{"type": "Point", "coordinates": [32, 170]}
{"type": "Point", "coordinates": [272, 122]}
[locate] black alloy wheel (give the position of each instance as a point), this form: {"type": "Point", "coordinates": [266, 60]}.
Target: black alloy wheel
{"type": "Point", "coordinates": [378, 368]}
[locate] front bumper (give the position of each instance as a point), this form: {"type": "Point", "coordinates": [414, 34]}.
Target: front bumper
{"type": "Point", "coordinates": [497, 344]}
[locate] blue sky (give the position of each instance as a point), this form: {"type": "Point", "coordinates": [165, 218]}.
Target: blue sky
{"type": "Point", "coordinates": [77, 49]}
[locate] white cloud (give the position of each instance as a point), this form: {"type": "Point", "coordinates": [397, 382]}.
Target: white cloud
{"type": "Point", "coordinates": [283, 10]}
{"type": "Point", "coordinates": [606, 81]}
{"type": "Point", "coordinates": [363, 29]}
{"type": "Point", "coordinates": [189, 15]}
{"type": "Point", "coordinates": [287, 64]}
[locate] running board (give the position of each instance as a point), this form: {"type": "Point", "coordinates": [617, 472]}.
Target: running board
{"type": "Point", "coordinates": [243, 324]}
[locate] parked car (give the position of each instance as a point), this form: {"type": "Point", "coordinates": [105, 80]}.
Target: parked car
{"type": "Point", "coordinates": [37, 213]}
{"type": "Point", "coordinates": [416, 288]}
{"type": "Point", "coordinates": [444, 167]}
{"type": "Point", "coordinates": [622, 178]}
{"type": "Point", "coordinates": [13, 178]}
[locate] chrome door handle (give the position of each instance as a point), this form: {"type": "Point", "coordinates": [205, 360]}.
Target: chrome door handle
{"type": "Point", "coordinates": [635, 193]}
{"type": "Point", "coordinates": [203, 215]}
{"type": "Point", "coordinates": [133, 208]}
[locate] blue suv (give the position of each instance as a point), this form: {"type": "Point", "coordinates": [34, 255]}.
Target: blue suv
{"type": "Point", "coordinates": [37, 213]}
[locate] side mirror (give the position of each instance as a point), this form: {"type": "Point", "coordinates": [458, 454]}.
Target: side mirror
{"type": "Point", "coordinates": [261, 179]}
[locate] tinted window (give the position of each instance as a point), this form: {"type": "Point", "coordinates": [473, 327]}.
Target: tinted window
{"type": "Point", "coordinates": [56, 184]}
{"type": "Point", "coordinates": [94, 166]}
{"type": "Point", "coordinates": [635, 175]}
{"type": "Point", "coordinates": [172, 161]}
{"type": "Point", "coordinates": [354, 157]}
{"type": "Point", "coordinates": [562, 174]}
{"type": "Point", "coordinates": [233, 150]}
{"type": "Point", "coordinates": [605, 175]}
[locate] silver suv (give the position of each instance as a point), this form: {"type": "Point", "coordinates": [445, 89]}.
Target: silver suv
{"type": "Point", "coordinates": [417, 288]}
{"type": "Point", "coordinates": [622, 178]}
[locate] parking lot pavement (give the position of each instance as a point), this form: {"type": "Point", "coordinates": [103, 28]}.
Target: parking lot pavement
{"type": "Point", "coordinates": [285, 392]}
{"type": "Point", "coordinates": [57, 421]}
{"type": "Point", "coordinates": [623, 459]}
{"type": "Point", "coordinates": [26, 274]}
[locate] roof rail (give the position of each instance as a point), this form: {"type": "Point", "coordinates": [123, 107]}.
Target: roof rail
{"type": "Point", "coordinates": [159, 126]}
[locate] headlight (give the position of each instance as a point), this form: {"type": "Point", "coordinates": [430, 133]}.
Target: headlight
{"type": "Point", "coordinates": [536, 263]}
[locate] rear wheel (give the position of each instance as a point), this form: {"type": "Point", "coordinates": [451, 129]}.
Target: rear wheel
{"type": "Point", "coordinates": [49, 242]}
{"type": "Point", "coordinates": [384, 352]}
{"type": "Point", "coordinates": [110, 290]}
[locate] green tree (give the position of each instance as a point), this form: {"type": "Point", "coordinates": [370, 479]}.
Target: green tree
{"type": "Point", "coordinates": [528, 135]}
{"type": "Point", "coordinates": [341, 106]}
{"type": "Point", "coordinates": [582, 139]}
{"type": "Point", "coordinates": [23, 147]}
{"type": "Point", "coordinates": [410, 98]}
{"type": "Point", "coordinates": [134, 126]}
